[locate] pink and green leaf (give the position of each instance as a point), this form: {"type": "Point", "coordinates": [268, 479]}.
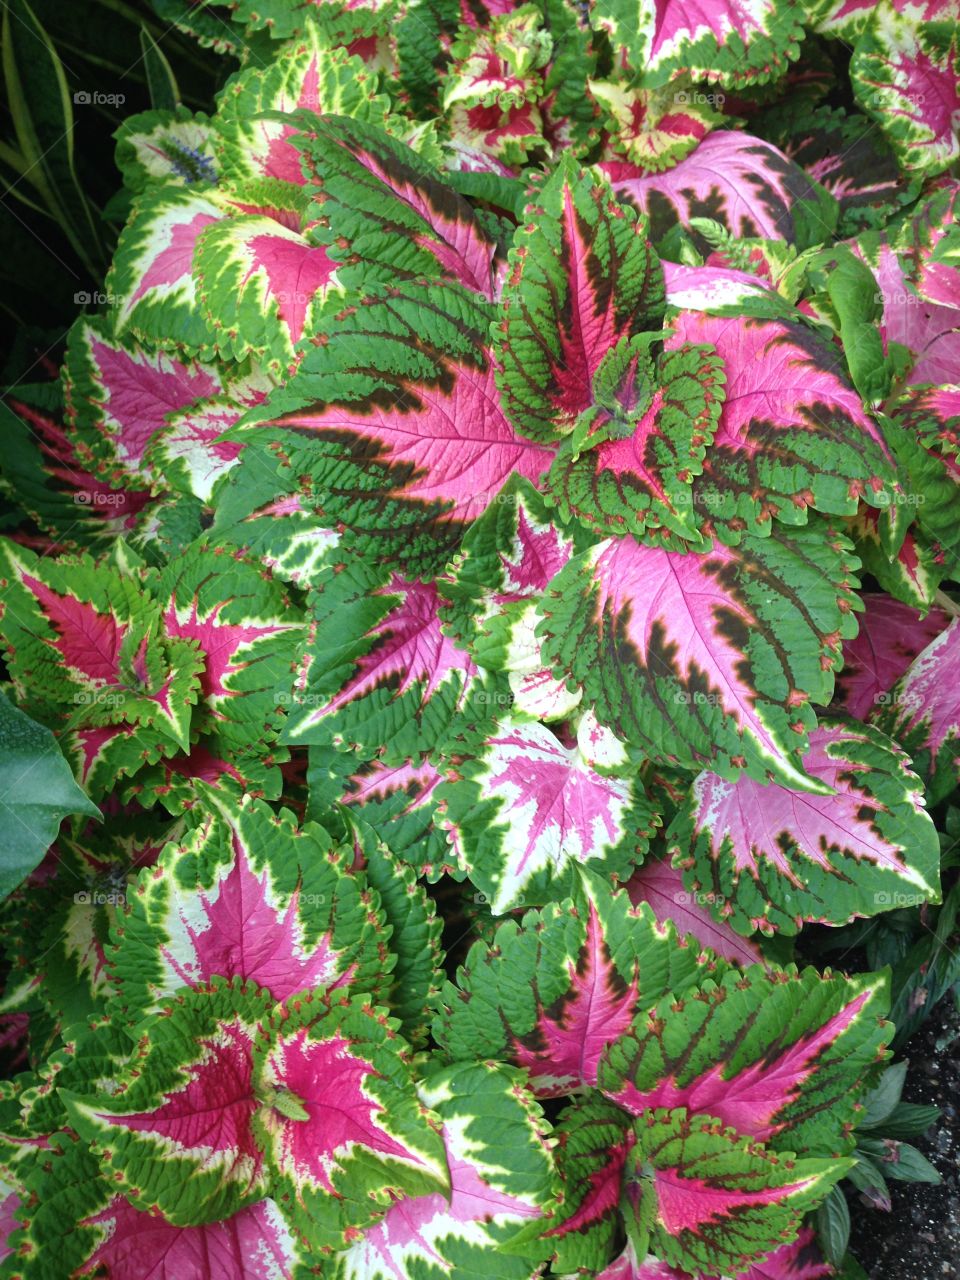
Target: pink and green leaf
{"type": "Point", "coordinates": [772, 858]}
{"type": "Point", "coordinates": [779, 1056]}
{"type": "Point", "coordinates": [891, 635]}
{"type": "Point", "coordinates": [633, 460]}
{"type": "Point", "coordinates": [526, 811]}
{"type": "Point", "coordinates": [305, 74]}
{"type": "Point", "coordinates": [247, 895]}
{"type": "Point", "coordinates": [922, 712]}
{"type": "Point", "coordinates": [689, 658]}
{"type": "Point", "coordinates": [729, 43]}
{"type": "Point", "coordinates": [500, 1179]}
{"type": "Point", "coordinates": [550, 992]}
{"type": "Point", "coordinates": [560, 311]}
{"type": "Point", "coordinates": [748, 186]}
{"type": "Point", "coordinates": [905, 72]}
{"type": "Point", "coordinates": [377, 673]}
{"type": "Point", "coordinates": [95, 655]}
{"type": "Point", "coordinates": [176, 1137]}
{"type": "Point", "coordinates": [152, 278]}
{"type": "Point", "coordinates": [386, 206]}
{"type": "Point", "coordinates": [660, 885]}
{"type": "Point", "coordinates": [705, 1196]}
{"type": "Point", "coordinates": [342, 1128]}
{"type": "Point", "coordinates": [417, 440]}
{"type": "Point", "coordinates": [792, 433]}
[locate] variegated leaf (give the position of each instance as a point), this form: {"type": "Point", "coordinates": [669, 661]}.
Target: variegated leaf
{"type": "Point", "coordinates": [707, 658]}
{"type": "Point", "coordinates": [561, 313]}
{"type": "Point", "coordinates": [526, 811]}
{"type": "Point", "coordinates": [770, 857]}
{"type": "Point", "coordinates": [551, 992]}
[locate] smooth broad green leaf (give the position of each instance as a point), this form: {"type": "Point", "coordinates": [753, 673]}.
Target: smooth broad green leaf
{"type": "Point", "coordinates": [881, 1101]}
{"type": "Point", "coordinates": [909, 1165]}
{"type": "Point", "coordinates": [833, 1226]}
{"type": "Point", "coordinates": [909, 1120]}
{"type": "Point", "coordinates": [37, 791]}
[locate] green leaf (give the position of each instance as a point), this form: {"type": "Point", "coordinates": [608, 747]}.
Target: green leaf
{"type": "Point", "coordinates": [42, 114]}
{"type": "Point", "coordinates": [911, 1166]}
{"type": "Point", "coordinates": [37, 791]}
{"type": "Point", "coordinates": [909, 1120]}
{"type": "Point", "coordinates": [880, 1102]}
{"type": "Point", "coordinates": [833, 1226]}
{"type": "Point", "coordinates": [162, 83]}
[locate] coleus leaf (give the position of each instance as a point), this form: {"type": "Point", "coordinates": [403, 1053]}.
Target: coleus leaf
{"type": "Point", "coordinates": [923, 436]}
{"type": "Point", "coordinates": [629, 469]}
{"type": "Point", "coordinates": [254, 1244]}
{"type": "Point", "coordinates": [94, 872]}
{"type": "Point", "coordinates": [399, 803]}
{"type": "Point", "coordinates": [748, 186]}
{"type": "Point", "coordinates": [247, 895]}
{"type": "Point", "coordinates": [263, 286]}
{"type": "Point", "coordinates": [76, 1220]}
{"type": "Point", "coordinates": [305, 74]}
{"type": "Point", "coordinates": [491, 89]}
{"type": "Point", "coordinates": [927, 330]}
{"type": "Point", "coordinates": [415, 928]}
{"type": "Point", "coordinates": [382, 203]}
{"type": "Point", "coordinates": [119, 397]}
{"type": "Point", "coordinates": [151, 278]}
{"type": "Point", "coordinates": [551, 992]}
{"type": "Point", "coordinates": [525, 811]}
{"type": "Point", "coordinates": [581, 278]}
{"type": "Point", "coordinates": [792, 432]}
{"type": "Point", "coordinates": [692, 659]}
{"type": "Point", "coordinates": [705, 1196]}
{"type": "Point", "coordinates": [377, 673]}
{"type": "Point", "coordinates": [778, 1055]}
{"type": "Point", "coordinates": [37, 791]}
{"type": "Point", "coordinates": [913, 574]}
{"type": "Point", "coordinates": [500, 1178]}
{"type": "Point", "coordinates": [773, 858]}
{"type": "Point", "coordinates": [259, 511]}
{"type": "Point", "coordinates": [593, 1142]}
{"type": "Point", "coordinates": [653, 128]}
{"type": "Point", "coordinates": [176, 1137]}
{"type": "Point", "coordinates": [905, 73]}
{"type": "Point", "coordinates": [922, 712]}
{"type": "Point", "coordinates": [845, 154]}
{"type": "Point", "coordinates": [710, 288]}
{"type": "Point", "coordinates": [82, 636]}
{"type": "Point", "coordinates": [801, 1260]}
{"type": "Point", "coordinates": [426, 413]}
{"type": "Point", "coordinates": [247, 633]}
{"type": "Point", "coordinates": [660, 885]}
{"type": "Point", "coordinates": [283, 18]}
{"type": "Point", "coordinates": [344, 1132]}
{"type": "Point", "coordinates": [92, 1056]}
{"type": "Point", "coordinates": [508, 556]}
{"type": "Point", "coordinates": [891, 635]}
{"type": "Point", "coordinates": [732, 44]}
{"type": "Point", "coordinates": [55, 489]}
{"type": "Point", "coordinates": [491, 593]}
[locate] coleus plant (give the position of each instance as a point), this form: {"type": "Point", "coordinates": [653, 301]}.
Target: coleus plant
{"type": "Point", "coordinates": [481, 596]}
